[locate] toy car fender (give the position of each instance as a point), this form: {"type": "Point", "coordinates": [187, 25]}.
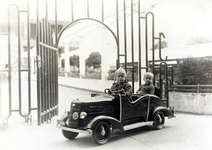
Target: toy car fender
{"type": "Point", "coordinates": [169, 112]}
{"type": "Point", "coordinates": [114, 122]}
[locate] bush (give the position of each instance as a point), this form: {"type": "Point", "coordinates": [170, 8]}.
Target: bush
{"type": "Point", "coordinates": [94, 75]}
{"type": "Point", "coordinates": [111, 76]}
{"type": "Point", "coordinates": [73, 74]}
{"type": "Point", "coordinates": [193, 71]}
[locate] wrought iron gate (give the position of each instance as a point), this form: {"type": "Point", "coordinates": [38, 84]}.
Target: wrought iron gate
{"type": "Point", "coordinates": [47, 69]}
{"type": "Point", "coordinates": [7, 82]}
{"type": "Point", "coordinates": [47, 56]}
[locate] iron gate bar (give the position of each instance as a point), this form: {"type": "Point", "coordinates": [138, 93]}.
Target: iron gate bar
{"type": "Point", "coordinates": [47, 46]}
{"type": "Point", "coordinates": [153, 35]}
{"type": "Point", "coordinates": [161, 34]}
{"type": "Point", "coordinates": [56, 59]}
{"type": "Point", "coordinates": [47, 64]}
{"type": "Point", "coordinates": [56, 28]}
{"type": "Point", "coordinates": [29, 67]}
{"type": "Point", "coordinates": [47, 68]}
{"type": "Point", "coordinates": [19, 65]}
{"type": "Point", "coordinates": [87, 9]}
{"type": "Point", "coordinates": [46, 96]}
{"type": "Point", "coordinates": [146, 47]}
{"type": "Point", "coordinates": [50, 71]}
{"type": "Point", "coordinates": [9, 49]}
{"type": "Point", "coordinates": [146, 31]}
{"type": "Point", "coordinates": [125, 36]}
{"type": "Point", "coordinates": [132, 44]}
{"type": "Point", "coordinates": [64, 28]}
{"type": "Point", "coordinates": [161, 84]}
{"type": "Point", "coordinates": [117, 28]}
{"type": "Point", "coordinates": [159, 38]}
{"type": "Point", "coordinates": [139, 43]}
{"type": "Point", "coordinates": [38, 70]}
{"type": "Point", "coordinates": [172, 76]}
{"type": "Point", "coordinates": [52, 75]}
{"type": "Point", "coordinates": [102, 10]}
{"type": "Point", "coordinates": [41, 71]}
{"type": "Point", "coordinates": [72, 10]}
{"type": "Point", "coordinates": [19, 62]}
{"type": "Point", "coordinates": [53, 99]}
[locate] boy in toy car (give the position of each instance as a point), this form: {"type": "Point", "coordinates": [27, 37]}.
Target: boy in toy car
{"type": "Point", "coordinates": [147, 87]}
{"type": "Point", "coordinates": [120, 83]}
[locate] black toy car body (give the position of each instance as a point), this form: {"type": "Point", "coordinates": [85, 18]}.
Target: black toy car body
{"type": "Point", "coordinates": [103, 114]}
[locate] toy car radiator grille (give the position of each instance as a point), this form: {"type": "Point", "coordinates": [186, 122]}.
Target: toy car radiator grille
{"type": "Point", "coordinates": [74, 115]}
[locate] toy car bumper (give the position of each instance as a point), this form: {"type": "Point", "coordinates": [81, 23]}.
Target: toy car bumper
{"type": "Point", "coordinates": [61, 124]}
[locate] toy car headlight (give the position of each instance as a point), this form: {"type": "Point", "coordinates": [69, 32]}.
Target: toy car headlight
{"type": "Point", "coordinates": [75, 115]}
{"type": "Point", "coordinates": [83, 115]}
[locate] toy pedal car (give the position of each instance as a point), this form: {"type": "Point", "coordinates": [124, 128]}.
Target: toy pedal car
{"type": "Point", "coordinates": [106, 113]}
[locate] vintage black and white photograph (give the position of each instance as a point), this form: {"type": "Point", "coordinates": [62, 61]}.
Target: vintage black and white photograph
{"type": "Point", "coordinates": [105, 74]}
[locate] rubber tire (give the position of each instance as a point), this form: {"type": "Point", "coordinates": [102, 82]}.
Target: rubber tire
{"type": "Point", "coordinates": [97, 137]}
{"type": "Point", "coordinates": [158, 120]}
{"type": "Point", "coordinates": [69, 135]}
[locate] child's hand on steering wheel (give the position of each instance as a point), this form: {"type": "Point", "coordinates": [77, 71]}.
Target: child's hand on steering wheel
{"type": "Point", "coordinates": [122, 91]}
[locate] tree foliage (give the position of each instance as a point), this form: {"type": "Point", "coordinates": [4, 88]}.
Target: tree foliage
{"type": "Point", "coordinates": [193, 71]}
{"type": "Point", "coordinates": [199, 40]}
{"type": "Point", "coordinates": [93, 60]}
{"type": "Point", "coordinates": [164, 44]}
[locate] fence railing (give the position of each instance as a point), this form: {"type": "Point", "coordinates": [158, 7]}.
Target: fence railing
{"type": "Point", "coordinates": [192, 88]}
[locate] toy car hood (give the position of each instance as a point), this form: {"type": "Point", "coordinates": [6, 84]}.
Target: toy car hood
{"type": "Point", "coordinates": [96, 97]}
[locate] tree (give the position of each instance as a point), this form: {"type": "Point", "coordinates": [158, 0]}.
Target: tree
{"type": "Point", "coordinates": [199, 40]}
{"type": "Point", "coordinates": [164, 44]}
{"type": "Point", "coordinates": [74, 61]}
{"type": "Point", "coordinates": [94, 60]}
{"type": "Point", "coordinates": [193, 71]}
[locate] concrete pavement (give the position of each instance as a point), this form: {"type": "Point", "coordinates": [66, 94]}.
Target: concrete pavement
{"type": "Point", "coordinates": [186, 131]}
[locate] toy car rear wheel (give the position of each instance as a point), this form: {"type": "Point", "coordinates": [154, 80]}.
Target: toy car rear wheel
{"type": "Point", "coordinates": [69, 135]}
{"type": "Point", "coordinates": [101, 133]}
{"type": "Point", "coordinates": [158, 120]}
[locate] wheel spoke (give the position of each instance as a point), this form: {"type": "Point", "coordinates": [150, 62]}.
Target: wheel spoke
{"type": "Point", "coordinates": [160, 119]}
{"type": "Point", "coordinates": [103, 130]}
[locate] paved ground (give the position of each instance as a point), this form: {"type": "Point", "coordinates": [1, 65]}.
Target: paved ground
{"type": "Point", "coordinates": [186, 131]}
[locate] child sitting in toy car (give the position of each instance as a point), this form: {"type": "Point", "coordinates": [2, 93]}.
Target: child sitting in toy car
{"type": "Point", "coordinates": [147, 87]}
{"type": "Point", "coordinates": [120, 83]}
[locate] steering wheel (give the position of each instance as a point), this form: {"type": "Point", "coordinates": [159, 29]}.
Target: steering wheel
{"type": "Point", "coordinates": [109, 91]}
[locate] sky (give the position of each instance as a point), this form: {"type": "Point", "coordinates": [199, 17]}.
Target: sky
{"type": "Point", "coordinates": [179, 20]}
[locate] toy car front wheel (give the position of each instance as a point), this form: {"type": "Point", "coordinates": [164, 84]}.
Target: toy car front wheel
{"type": "Point", "coordinates": [69, 135]}
{"type": "Point", "coordinates": [158, 120]}
{"type": "Point", "coordinates": [101, 133]}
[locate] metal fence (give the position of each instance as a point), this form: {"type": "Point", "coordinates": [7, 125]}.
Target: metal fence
{"type": "Point", "coordinates": [192, 88]}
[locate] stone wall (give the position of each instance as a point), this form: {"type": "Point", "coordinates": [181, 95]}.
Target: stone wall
{"type": "Point", "coordinates": [198, 103]}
